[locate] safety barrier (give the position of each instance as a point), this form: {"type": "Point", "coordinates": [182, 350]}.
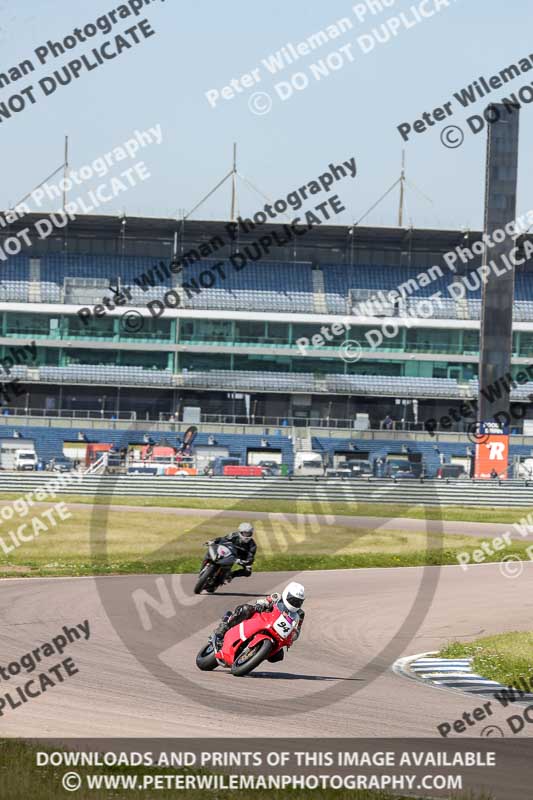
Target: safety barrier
{"type": "Point", "coordinates": [411, 492]}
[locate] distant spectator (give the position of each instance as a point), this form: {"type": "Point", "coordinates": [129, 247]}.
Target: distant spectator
{"type": "Point", "coordinates": [493, 474]}
{"type": "Point", "coordinates": [388, 422]}
{"type": "Point", "coordinates": [81, 436]}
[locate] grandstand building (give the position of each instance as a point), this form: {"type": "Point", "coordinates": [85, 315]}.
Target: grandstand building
{"type": "Point", "coordinates": [144, 318]}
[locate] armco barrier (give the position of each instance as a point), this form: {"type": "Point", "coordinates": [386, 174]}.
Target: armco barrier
{"type": "Point", "coordinates": [466, 493]}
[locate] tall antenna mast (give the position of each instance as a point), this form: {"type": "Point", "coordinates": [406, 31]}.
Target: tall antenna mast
{"type": "Point", "coordinates": [234, 182]}
{"type": "Point", "coordinates": [402, 191]}
{"type": "Point", "coordinates": [65, 174]}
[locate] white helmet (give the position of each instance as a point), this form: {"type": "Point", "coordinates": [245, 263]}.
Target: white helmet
{"type": "Point", "coordinates": [245, 531]}
{"type": "Point", "coordinates": [293, 596]}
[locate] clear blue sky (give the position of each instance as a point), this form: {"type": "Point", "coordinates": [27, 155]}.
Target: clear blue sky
{"type": "Point", "coordinates": [203, 45]}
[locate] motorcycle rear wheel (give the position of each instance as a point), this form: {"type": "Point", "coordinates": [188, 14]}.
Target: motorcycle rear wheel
{"type": "Point", "coordinates": [205, 660]}
{"type": "Point", "coordinates": [204, 577]}
{"type": "Point", "coordinates": [251, 657]}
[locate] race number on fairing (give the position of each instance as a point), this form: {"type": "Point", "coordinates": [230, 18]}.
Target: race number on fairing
{"type": "Point", "coordinates": [283, 625]}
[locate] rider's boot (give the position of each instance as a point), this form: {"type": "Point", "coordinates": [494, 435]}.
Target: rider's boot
{"type": "Point", "coordinates": [222, 629]}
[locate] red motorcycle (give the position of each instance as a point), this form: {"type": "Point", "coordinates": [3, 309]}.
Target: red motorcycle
{"type": "Point", "coordinates": [246, 645]}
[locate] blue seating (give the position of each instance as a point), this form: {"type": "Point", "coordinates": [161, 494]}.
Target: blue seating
{"type": "Point", "coordinates": [56, 267]}
{"type": "Point", "coordinates": [16, 268]}
{"type": "Point", "coordinates": [258, 285]}
{"type": "Point", "coordinates": [277, 286]}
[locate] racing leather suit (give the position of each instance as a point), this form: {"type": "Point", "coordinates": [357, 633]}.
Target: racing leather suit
{"type": "Point", "coordinates": [244, 550]}
{"type": "Point", "coordinates": [247, 610]}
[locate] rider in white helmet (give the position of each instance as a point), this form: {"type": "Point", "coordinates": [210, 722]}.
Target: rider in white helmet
{"type": "Point", "coordinates": [290, 601]}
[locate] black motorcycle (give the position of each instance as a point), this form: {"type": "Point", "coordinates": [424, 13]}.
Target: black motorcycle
{"type": "Point", "coordinates": [216, 567]}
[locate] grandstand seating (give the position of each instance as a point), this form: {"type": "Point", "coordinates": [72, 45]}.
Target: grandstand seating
{"type": "Point", "coordinates": [277, 286]}
{"type": "Point", "coordinates": [519, 392]}
{"type": "Point", "coordinates": [16, 268]}
{"type": "Point", "coordinates": [87, 373]}
{"type": "Point", "coordinates": [308, 382]}
{"type": "Point", "coordinates": [273, 286]}
{"type": "Point", "coordinates": [56, 266]}
{"type": "Point", "coordinates": [232, 380]}
{"type": "Point", "coordinates": [237, 380]}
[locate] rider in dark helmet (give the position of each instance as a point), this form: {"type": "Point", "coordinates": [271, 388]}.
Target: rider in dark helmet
{"type": "Point", "coordinates": [242, 542]}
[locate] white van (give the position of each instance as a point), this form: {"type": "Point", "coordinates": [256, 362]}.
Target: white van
{"type": "Point", "coordinates": [307, 462]}
{"type": "Point", "coordinates": [25, 459]}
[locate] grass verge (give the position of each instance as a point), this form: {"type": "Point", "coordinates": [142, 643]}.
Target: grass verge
{"type": "Point", "coordinates": [390, 510]}
{"type": "Point", "coordinates": [95, 541]}
{"type": "Point", "coordinates": [505, 657]}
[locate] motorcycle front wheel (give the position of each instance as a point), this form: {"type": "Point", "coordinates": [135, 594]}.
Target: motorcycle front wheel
{"type": "Point", "coordinates": [205, 660]}
{"type": "Point", "coordinates": [204, 577]}
{"type": "Point", "coordinates": [251, 657]}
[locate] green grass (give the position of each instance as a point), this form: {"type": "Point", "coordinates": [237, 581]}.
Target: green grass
{"type": "Point", "coordinates": [95, 540]}
{"type": "Point", "coordinates": [505, 657]}
{"type": "Point", "coordinates": [21, 779]}
{"type": "Point", "coordinates": [391, 510]}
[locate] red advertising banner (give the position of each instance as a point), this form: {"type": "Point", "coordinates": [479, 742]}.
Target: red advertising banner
{"type": "Point", "coordinates": [492, 452]}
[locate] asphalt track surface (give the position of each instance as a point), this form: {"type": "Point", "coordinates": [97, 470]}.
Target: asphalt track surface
{"type": "Point", "coordinates": [351, 615]}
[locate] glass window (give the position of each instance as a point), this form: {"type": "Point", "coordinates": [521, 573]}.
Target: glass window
{"type": "Point", "coordinates": [206, 330]}
{"type": "Point", "coordinates": [249, 331]}
{"type": "Point", "coordinates": [151, 329]}
{"type": "Point", "coordinates": [93, 328]}
{"type": "Point", "coordinates": [27, 324]}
